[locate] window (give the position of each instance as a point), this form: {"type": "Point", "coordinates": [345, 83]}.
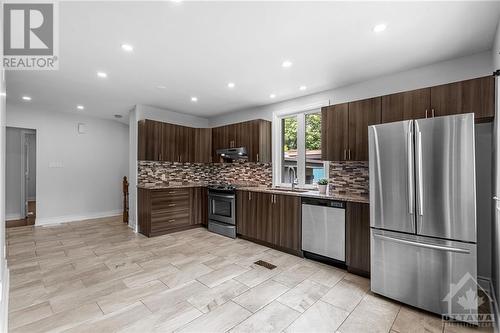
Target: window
{"type": "Point", "coordinates": [289, 156]}
{"type": "Point", "coordinates": [300, 158]}
{"type": "Point", "coordinates": [315, 169]}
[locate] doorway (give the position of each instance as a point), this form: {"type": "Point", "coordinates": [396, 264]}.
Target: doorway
{"type": "Point", "coordinates": [20, 177]}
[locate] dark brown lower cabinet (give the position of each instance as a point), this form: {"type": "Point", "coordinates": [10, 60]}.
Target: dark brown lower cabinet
{"type": "Point", "coordinates": [162, 211]}
{"type": "Point", "coordinates": [358, 238]}
{"type": "Point", "coordinates": [288, 232]}
{"type": "Point", "coordinates": [270, 219]}
{"type": "Point", "coordinates": [199, 205]}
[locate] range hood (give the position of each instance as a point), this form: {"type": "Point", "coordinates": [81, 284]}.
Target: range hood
{"type": "Point", "coordinates": [233, 153]}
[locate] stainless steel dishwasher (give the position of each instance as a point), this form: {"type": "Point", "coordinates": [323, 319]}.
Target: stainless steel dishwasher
{"type": "Point", "coordinates": [323, 228]}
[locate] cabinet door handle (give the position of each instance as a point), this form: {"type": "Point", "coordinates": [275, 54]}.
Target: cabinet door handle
{"type": "Point", "coordinates": [171, 192]}
{"type": "Point", "coordinates": [160, 158]}
{"type": "Point", "coordinates": [257, 157]}
{"type": "Point", "coordinates": [171, 205]}
{"type": "Point", "coordinates": [432, 113]}
{"type": "Point", "coordinates": [172, 220]}
{"type": "Point", "coordinates": [345, 154]}
{"type": "Point", "coordinates": [425, 113]}
{"type": "Point", "coordinates": [249, 195]}
{"type": "Point", "coordinates": [349, 154]}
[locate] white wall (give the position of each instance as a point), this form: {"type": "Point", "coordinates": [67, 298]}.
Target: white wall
{"type": "Point", "coordinates": [13, 173]}
{"type": "Point", "coordinates": [495, 50]}
{"type": "Point", "coordinates": [4, 271]}
{"type": "Point", "coordinates": [150, 112]}
{"type": "Point", "coordinates": [31, 187]}
{"type": "Point", "coordinates": [473, 66]}
{"type": "Point", "coordinates": [79, 176]}
{"type": "Point", "coordinates": [132, 179]}
{"type": "Point", "coordinates": [14, 202]}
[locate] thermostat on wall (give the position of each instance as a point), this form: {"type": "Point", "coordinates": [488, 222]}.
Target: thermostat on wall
{"type": "Point", "coordinates": [82, 128]}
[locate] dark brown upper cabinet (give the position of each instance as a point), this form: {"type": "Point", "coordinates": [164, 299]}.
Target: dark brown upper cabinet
{"type": "Point", "coordinates": [184, 143]}
{"type": "Point", "coordinates": [150, 140]}
{"type": "Point", "coordinates": [254, 135]}
{"type": "Point", "coordinates": [361, 115]}
{"type": "Point", "coordinates": [476, 95]}
{"type": "Point", "coordinates": [334, 132]}
{"type": "Point", "coordinates": [159, 141]}
{"type": "Point", "coordinates": [202, 145]}
{"type": "Point", "coordinates": [412, 104]}
{"type": "Point", "coordinates": [344, 131]}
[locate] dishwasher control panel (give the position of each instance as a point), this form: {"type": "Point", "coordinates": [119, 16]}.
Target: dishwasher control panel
{"type": "Point", "coordinates": [324, 202]}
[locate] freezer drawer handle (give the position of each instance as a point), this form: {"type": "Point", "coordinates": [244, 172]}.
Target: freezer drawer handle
{"type": "Point", "coordinates": [425, 245]}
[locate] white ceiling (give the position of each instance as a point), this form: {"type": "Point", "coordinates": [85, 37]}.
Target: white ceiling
{"type": "Point", "coordinates": [196, 48]}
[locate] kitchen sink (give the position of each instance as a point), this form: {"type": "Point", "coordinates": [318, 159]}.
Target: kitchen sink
{"type": "Point", "coordinates": [281, 189]}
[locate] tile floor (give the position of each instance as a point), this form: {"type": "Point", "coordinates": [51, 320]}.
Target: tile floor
{"type": "Point", "coordinates": [99, 276]}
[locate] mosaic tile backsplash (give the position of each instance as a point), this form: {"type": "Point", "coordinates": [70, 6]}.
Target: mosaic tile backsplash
{"type": "Point", "coordinates": [345, 177]}
{"type": "Point", "coordinates": [241, 173]}
{"type": "Point", "coordinates": [349, 176]}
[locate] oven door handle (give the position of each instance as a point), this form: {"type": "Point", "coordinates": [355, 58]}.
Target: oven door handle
{"type": "Point", "coordinates": [224, 196]}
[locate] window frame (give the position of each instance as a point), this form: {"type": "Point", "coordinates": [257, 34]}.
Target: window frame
{"type": "Point", "coordinates": [301, 147]}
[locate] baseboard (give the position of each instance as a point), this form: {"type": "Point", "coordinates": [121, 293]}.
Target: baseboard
{"type": "Point", "coordinates": [75, 218]}
{"type": "Point", "coordinates": [10, 217]}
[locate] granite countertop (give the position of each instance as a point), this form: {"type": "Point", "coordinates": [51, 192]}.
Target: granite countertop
{"type": "Point", "coordinates": [309, 194]}
{"type": "Point", "coordinates": [312, 194]}
{"type": "Point", "coordinates": [167, 185]}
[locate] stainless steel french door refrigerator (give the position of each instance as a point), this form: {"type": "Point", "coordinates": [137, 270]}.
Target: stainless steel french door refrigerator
{"type": "Point", "coordinates": [423, 210]}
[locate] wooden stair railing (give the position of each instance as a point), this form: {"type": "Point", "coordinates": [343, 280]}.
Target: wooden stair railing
{"type": "Point", "coordinates": [125, 200]}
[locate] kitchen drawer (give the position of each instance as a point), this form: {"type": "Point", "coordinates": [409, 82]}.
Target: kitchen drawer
{"type": "Point", "coordinates": [169, 205]}
{"type": "Point", "coordinates": [168, 193]}
{"type": "Point", "coordinates": [168, 220]}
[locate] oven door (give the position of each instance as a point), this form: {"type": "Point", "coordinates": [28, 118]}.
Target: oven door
{"type": "Point", "coordinates": [221, 207]}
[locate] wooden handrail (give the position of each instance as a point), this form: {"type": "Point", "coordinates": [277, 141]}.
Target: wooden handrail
{"type": "Point", "coordinates": [125, 200]}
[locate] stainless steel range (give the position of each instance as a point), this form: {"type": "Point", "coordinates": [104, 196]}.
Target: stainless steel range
{"type": "Point", "coordinates": [222, 210]}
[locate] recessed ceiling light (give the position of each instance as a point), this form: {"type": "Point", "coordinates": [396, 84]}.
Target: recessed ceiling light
{"type": "Point", "coordinates": [231, 85]}
{"type": "Point", "coordinates": [26, 98]}
{"type": "Point", "coordinates": [379, 27]}
{"type": "Point", "coordinates": [302, 88]}
{"type": "Point", "coordinates": [127, 47]}
{"type": "Point", "coordinates": [194, 99]}
{"type": "Point", "coordinates": [102, 75]}
{"type": "Point", "coordinates": [161, 87]}
{"type": "Point", "coordinates": [80, 107]}
{"type": "Point", "coordinates": [272, 96]}
{"type": "Point", "coordinates": [118, 116]}
{"type": "Point", "coordinates": [286, 64]}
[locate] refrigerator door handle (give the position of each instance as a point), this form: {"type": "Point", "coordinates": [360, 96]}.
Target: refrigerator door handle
{"type": "Point", "coordinates": [409, 147]}
{"type": "Point", "coordinates": [424, 245]}
{"type": "Point", "coordinates": [419, 172]}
